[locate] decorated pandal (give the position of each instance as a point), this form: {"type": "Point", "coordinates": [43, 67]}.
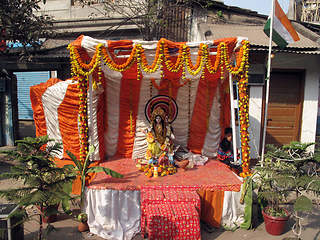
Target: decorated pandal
{"type": "Point", "coordinates": [147, 107]}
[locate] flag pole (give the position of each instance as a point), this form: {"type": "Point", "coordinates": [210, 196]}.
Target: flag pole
{"type": "Point", "coordinates": [233, 118]}
{"type": "Point", "coordinates": [267, 84]}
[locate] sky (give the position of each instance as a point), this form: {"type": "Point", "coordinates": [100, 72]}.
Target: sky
{"type": "Point", "coordinates": [261, 6]}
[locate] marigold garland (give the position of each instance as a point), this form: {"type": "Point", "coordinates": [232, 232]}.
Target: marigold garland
{"type": "Point", "coordinates": [208, 104]}
{"type": "Point", "coordinates": [131, 110]}
{"type": "Point", "coordinates": [189, 107]}
{"type": "Point", "coordinates": [81, 70]}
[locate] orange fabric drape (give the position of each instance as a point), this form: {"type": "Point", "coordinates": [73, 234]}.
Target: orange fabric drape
{"type": "Point", "coordinates": [83, 53]}
{"type": "Point", "coordinates": [36, 104]}
{"type": "Point", "coordinates": [211, 206]}
{"type": "Point", "coordinates": [129, 100]}
{"type": "Point", "coordinates": [130, 93]}
{"type": "Point", "coordinates": [174, 88]}
{"type": "Point", "coordinates": [68, 121]}
{"type": "Point", "coordinates": [68, 114]}
{"type": "Point", "coordinates": [76, 187]}
{"type": "Point", "coordinates": [101, 115]}
{"type": "Point", "coordinates": [198, 126]}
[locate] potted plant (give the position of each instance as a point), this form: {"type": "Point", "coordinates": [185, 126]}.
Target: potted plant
{"type": "Point", "coordinates": [83, 225]}
{"type": "Point", "coordinates": [82, 170]}
{"type": "Point", "coordinates": [288, 173]}
{"type": "Point", "coordinates": [44, 184]}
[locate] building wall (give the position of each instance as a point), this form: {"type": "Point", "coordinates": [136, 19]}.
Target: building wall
{"type": "Point", "coordinates": [77, 19]}
{"type": "Point", "coordinates": [255, 111]}
{"type": "Point", "coordinates": [62, 9]}
{"type": "Point", "coordinates": [307, 62]}
{"type": "Point", "coordinates": [310, 63]}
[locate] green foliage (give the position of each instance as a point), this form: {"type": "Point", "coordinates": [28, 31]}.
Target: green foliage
{"type": "Point", "coordinates": [220, 14]}
{"type": "Point", "coordinates": [19, 23]}
{"type": "Point", "coordinates": [276, 212]}
{"type": "Point", "coordinates": [45, 184]}
{"type": "Point", "coordinates": [83, 169]}
{"type": "Point", "coordinates": [82, 217]}
{"type": "Point", "coordinates": [303, 204]}
{"type": "Point", "coordinates": [292, 170]}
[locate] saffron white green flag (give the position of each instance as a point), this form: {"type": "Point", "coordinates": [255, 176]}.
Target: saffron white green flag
{"type": "Point", "coordinates": [283, 31]}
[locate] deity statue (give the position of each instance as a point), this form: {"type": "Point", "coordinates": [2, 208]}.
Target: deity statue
{"type": "Point", "coordinates": [159, 138]}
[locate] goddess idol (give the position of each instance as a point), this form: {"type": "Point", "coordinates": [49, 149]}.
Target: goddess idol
{"type": "Point", "coordinates": [160, 135]}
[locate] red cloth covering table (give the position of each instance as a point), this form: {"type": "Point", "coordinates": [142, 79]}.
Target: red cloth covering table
{"type": "Point", "coordinates": [187, 221]}
{"type": "Point", "coordinates": [147, 198]}
{"type": "Point", "coordinates": [173, 221]}
{"type": "Point", "coordinates": [160, 222]}
{"type": "Point", "coordinates": [210, 181]}
{"type": "Point", "coordinates": [169, 196]}
{"type": "Point", "coordinates": [177, 196]}
{"type": "Point", "coordinates": [214, 176]}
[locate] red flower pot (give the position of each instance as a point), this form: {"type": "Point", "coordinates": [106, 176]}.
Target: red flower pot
{"type": "Point", "coordinates": [275, 225]}
{"type": "Point", "coordinates": [51, 218]}
{"type": "Point", "coordinates": [83, 226]}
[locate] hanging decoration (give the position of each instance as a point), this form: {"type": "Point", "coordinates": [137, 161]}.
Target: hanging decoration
{"type": "Point", "coordinates": [208, 104]}
{"type": "Point", "coordinates": [181, 64]}
{"type": "Point", "coordinates": [167, 104]}
{"type": "Point", "coordinates": [189, 107]}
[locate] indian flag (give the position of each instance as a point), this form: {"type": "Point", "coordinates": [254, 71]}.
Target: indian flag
{"type": "Point", "coordinates": [283, 31]}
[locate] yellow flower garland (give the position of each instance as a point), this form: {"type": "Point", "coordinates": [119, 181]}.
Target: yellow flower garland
{"type": "Point", "coordinates": [81, 71]}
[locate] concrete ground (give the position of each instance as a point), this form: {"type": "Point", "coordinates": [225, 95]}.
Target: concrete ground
{"type": "Point", "coordinates": [67, 225]}
{"type": "Point", "coordinates": [310, 230]}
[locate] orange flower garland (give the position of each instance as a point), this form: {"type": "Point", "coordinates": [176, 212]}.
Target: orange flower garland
{"type": "Point", "coordinates": [83, 118]}
{"type": "Point", "coordinates": [208, 104]}
{"type": "Point", "coordinates": [213, 68]}
{"type": "Point", "coordinates": [141, 58]}
{"type": "Point", "coordinates": [82, 70]}
{"type": "Point", "coordinates": [119, 67]}
{"type": "Point", "coordinates": [166, 84]}
{"type": "Point", "coordinates": [244, 115]}
{"type": "Point", "coordinates": [169, 64]}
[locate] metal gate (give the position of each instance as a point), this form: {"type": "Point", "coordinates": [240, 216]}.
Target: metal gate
{"type": "Point", "coordinates": [24, 81]}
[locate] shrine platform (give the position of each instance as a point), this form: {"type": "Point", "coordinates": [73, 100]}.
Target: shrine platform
{"type": "Point", "coordinates": [214, 176]}
{"type": "Point", "coordinates": [113, 204]}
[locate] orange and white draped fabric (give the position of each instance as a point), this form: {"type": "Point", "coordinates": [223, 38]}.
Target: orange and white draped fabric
{"type": "Point", "coordinates": [56, 109]}
{"type": "Point", "coordinates": [125, 94]}
{"type": "Point", "coordinates": [119, 111]}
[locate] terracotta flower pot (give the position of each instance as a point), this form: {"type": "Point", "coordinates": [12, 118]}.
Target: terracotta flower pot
{"type": "Point", "coordinates": [183, 164]}
{"type": "Point", "coordinates": [83, 226]}
{"type": "Point", "coordinates": [275, 225]}
{"type": "Point", "coordinates": [49, 219]}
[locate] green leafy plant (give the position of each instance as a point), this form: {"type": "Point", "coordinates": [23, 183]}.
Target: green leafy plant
{"type": "Point", "coordinates": [83, 169]}
{"type": "Point", "coordinates": [82, 217]}
{"type": "Point", "coordinates": [44, 184]}
{"type": "Point", "coordinates": [288, 172]}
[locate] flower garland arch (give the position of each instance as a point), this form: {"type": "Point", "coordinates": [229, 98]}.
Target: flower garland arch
{"type": "Point", "coordinates": [80, 70]}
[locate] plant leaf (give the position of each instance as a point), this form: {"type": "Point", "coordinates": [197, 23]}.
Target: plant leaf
{"type": "Point", "coordinates": [75, 160]}
{"type": "Point", "coordinates": [303, 204]}
{"type": "Point", "coordinates": [87, 162]}
{"type": "Point", "coordinates": [107, 171]}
